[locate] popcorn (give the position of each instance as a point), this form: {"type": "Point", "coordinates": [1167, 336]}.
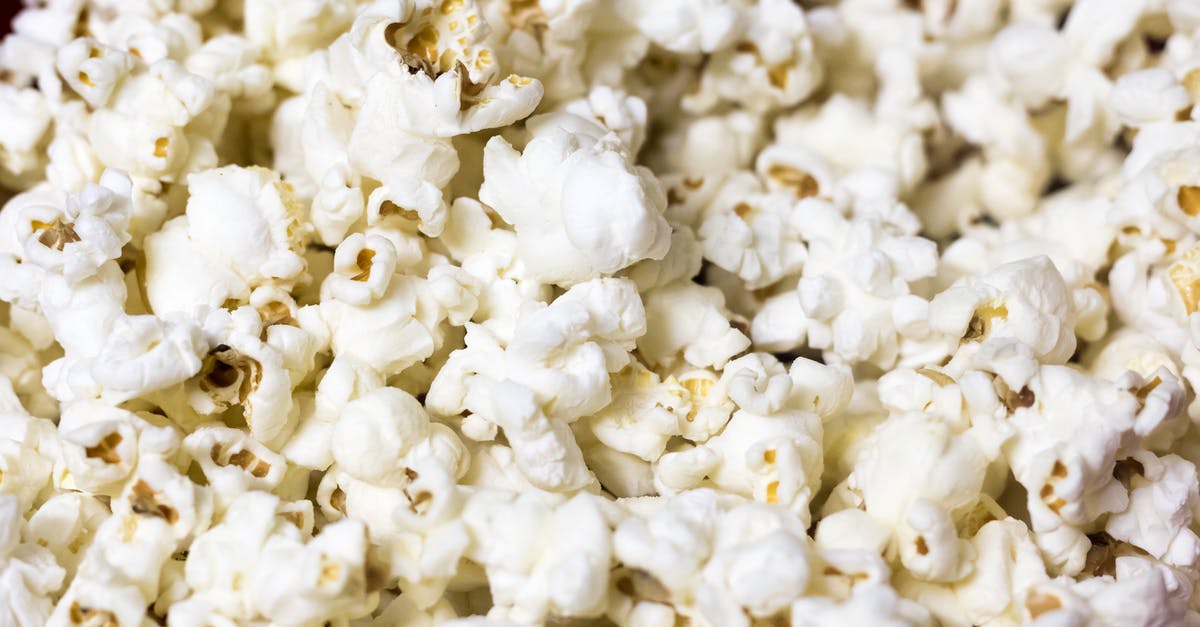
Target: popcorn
{"type": "Point", "coordinates": [289, 31]}
{"type": "Point", "coordinates": [874, 604]}
{"type": "Point", "coordinates": [27, 122]}
{"type": "Point", "coordinates": [264, 244]}
{"type": "Point", "coordinates": [514, 312]}
{"type": "Point", "coordinates": [752, 234]}
{"type": "Point", "coordinates": [279, 562]}
{"type": "Point", "coordinates": [704, 339]}
{"type": "Point", "coordinates": [1023, 302]}
{"type": "Point", "coordinates": [854, 295]}
{"type": "Point", "coordinates": [541, 560]}
{"type": "Point", "coordinates": [1070, 479]}
{"type": "Point", "coordinates": [552, 372]}
{"type": "Point", "coordinates": [1169, 487]}
{"type": "Point", "coordinates": [404, 308]}
{"type": "Point", "coordinates": [28, 570]}
{"type": "Point", "coordinates": [773, 62]}
{"type": "Point", "coordinates": [944, 478]}
{"type": "Point", "coordinates": [1007, 567]}
{"type": "Point", "coordinates": [686, 26]}
{"type": "Point", "coordinates": [234, 463]}
{"type": "Point", "coordinates": [566, 172]}
{"type": "Point", "coordinates": [388, 422]}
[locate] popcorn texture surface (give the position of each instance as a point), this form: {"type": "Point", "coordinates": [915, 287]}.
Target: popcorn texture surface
{"type": "Point", "coordinates": [728, 313]}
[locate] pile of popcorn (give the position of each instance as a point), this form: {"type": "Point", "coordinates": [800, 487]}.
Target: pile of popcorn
{"type": "Point", "coordinates": [632, 312]}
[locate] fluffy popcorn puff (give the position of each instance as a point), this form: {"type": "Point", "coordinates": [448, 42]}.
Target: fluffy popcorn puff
{"type": "Point", "coordinates": [686, 26]}
{"type": "Point", "coordinates": [541, 559]}
{"type": "Point", "coordinates": [769, 449]}
{"type": "Point", "coordinates": [1167, 487]}
{"type": "Point", "coordinates": [286, 31]}
{"type": "Point", "coordinates": [771, 64]}
{"type": "Point", "coordinates": [283, 574]}
{"type": "Point", "coordinates": [1017, 315]}
{"type": "Point", "coordinates": [243, 228]}
{"type": "Point", "coordinates": [553, 371]}
{"type": "Point", "coordinates": [945, 474]}
{"type": "Point", "coordinates": [27, 120]}
{"type": "Point", "coordinates": [752, 234]}
{"type": "Point", "coordinates": [381, 317]}
{"type": "Point", "coordinates": [450, 83]}
{"type": "Point", "coordinates": [28, 570]}
{"type": "Point", "coordinates": [689, 321]}
{"type": "Point", "coordinates": [1070, 476]}
{"type": "Point", "coordinates": [28, 451]}
{"type": "Point", "coordinates": [855, 297]}
{"type": "Point", "coordinates": [579, 206]}
{"type": "Point", "coordinates": [719, 559]}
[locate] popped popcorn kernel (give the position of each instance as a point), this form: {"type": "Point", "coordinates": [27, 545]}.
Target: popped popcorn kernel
{"type": "Point", "coordinates": [228, 375]}
{"type": "Point", "coordinates": [56, 234]}
{"type": "Point", "coordinates": [91, 617]}
{"type": "Point", "coordinates": [982, 320]}
{"type": "Point", "coordinates": [105, 449]}
{"type": "Point", "coordinates": [801, 183]}
{"type": "Point", "coordinates": [1040, 603]}
{"type": "Point", "coordinates": [1186, 279]}
{"type": "Point", "coordinates": [148, 502]}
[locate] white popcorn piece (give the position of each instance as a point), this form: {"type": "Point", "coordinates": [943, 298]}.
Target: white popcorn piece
{"type": "Point", "coordinates": [684, 26]}
{"type": "Point", "coordinates": [243, 229]}
{"type": "Point", "coordinates": [1160, 509]}
{"type": "Point", "coordinates": [268, 228]}
{"type": "Point", "coordinates": [689, 321]}
{"type": "Point", "coordinates": [869, 604]}
{"type": "Point", "coordinates": [231, 63]}
{"type": "Point", "coordinates": [1138, 590]}
{"type": "Point", "coordinates": [143, 354]}
{"type": "Point", "coordinates": [28, 571]}
{"type": "Point", "coordinates": [751, 233]}
{"type": "Point", "coordinates": [1025, 303]}
{"type": "Point", "coordinates": [1069, 477]}
{"type": "Point", "coordinates": [28, 451]}
{"type": "Point", "coordinates": [282, 573]}
{"type": "Point", "coordinates": [119, 575]}
{"type": "Point", "coordinates": [1031, 59]}
{"type": "Point", "coordinates": [389, 332]}
{"type": "Point", "coordinates": [310, 444]}
{"type": "Point", "coordinates": [445, 83]}
{"type": "Point", "coordinates": [553, 371]}
{"type": "Point", "coordinates": [611, 109]}
{"type": "Point", "coordinates": [289, 30]}
{"type": "Point", "coordinates": [855, 292]}
{"type": "Point", "coordinates": [771, 65]}
{"type": "Point", "coordinates": [89, 231]}
{"type": "Point", "coordinates": [101, 446]}
{"type": "Point", "coordinates": [642, 416]}
{"type": "Point", "coordinates": [233, 463]}
{"type": "Point", "coordinates": [375, 433]}
{"type": "Point", "coordinates": [541, 559]}
{"type": "Point", "coordinates": [759, 576]}
{"type": "Point", "coordinates": [1147, 96]}
{"type": "Point", "coordinates": [241, 369]}
{"type": "Point", "coordinates": [178, 138]}
{"type": "Point", "coordinates": [1007, 567]}
{"type": "Point", "coordinates": [944, 471]}
{"type": "Point", "coordinates": [577, 181]}
{"type": "Point", "coordinates": [27, 120]}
